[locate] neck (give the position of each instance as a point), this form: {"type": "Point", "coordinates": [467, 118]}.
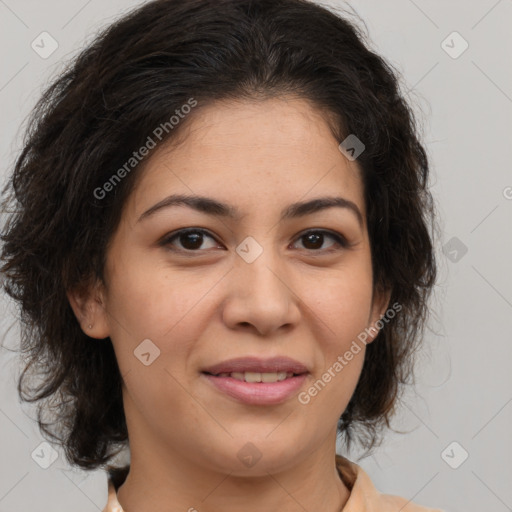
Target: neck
{"type": "Point", "coordinates": [160, 480]}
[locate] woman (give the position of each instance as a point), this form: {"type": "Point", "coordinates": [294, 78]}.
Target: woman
{"type": "Point", "coordinates": [222, 255]}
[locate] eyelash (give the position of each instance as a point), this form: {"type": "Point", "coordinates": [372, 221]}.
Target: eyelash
{"type": "Point", "coordinates": [340, 240]}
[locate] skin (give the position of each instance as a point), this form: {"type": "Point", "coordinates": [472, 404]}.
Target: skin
{"type": "Point", "coordinates": [306, 301]}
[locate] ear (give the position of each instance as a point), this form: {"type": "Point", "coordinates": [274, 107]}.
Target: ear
{"type": "Point", "coordinates": [380, 303]}
{"type": "Point", "coordinates": [88, 304]}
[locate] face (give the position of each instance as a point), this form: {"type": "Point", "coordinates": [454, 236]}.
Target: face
{"type": "Point", "coordinates": [256, 284]}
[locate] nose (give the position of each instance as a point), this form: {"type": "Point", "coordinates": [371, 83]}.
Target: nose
{"type": "Point", "coordinates": [260, 296]}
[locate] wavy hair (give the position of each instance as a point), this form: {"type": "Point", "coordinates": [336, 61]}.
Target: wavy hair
{"type": "Point", "coordinates": [103, 106]}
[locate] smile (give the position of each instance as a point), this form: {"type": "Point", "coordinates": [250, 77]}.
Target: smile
{"type": "Point", "coordinates": [257, 388]}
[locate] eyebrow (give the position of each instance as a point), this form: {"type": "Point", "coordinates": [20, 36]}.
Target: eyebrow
{"type": "Point", "coordinates": [213, 207]}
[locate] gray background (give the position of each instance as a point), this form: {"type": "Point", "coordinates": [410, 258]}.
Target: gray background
{"type": "Point", "coordinates": [464, 384]}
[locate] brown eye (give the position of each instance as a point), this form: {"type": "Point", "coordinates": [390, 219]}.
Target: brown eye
{"type": "Point", "coordinates": [191, 239]}
{"type": "Point", "coordinates": [314, 240]}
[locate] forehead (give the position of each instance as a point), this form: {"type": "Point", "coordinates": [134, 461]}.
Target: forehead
{"type": "Point", "coordinates": [277, 150]}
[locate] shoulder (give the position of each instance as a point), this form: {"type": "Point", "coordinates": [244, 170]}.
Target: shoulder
{"type": "Point", "coordinates": [396, 503]}
{"type": "Point", "coordinates": [112, 503]}
{"type": "Point", "coordinates": [116, 477]}
{"type": "Point", "coordinates": [364, 497]}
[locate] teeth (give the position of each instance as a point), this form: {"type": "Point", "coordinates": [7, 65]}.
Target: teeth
{"type": "Point", "coordinates": [272, 377]}
{"type": "Point", "coordinates": [258, 377]}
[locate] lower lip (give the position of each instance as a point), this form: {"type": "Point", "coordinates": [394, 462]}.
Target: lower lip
{"type": "Point", "coordinates": [259, 393]}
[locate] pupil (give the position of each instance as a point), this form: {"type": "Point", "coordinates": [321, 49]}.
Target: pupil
{"type": "Point", "coordinates": [196, 240]}
{"type": "Point", "coordinates": [312, 237]}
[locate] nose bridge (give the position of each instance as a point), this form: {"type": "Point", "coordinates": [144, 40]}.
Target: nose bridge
{"type": "Point", "coordinates": [258, 266]}
{"type": "Point", "coordinates": [260, 293]}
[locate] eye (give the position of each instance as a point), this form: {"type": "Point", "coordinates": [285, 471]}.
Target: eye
{"type": "Point", "coordinates": [191, 239]}
{"type": "Point", "coordinates": [314, 239]}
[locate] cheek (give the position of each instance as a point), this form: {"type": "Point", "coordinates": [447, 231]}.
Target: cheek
{"type": "Point", "coordinates": [170, 310]}
{"type": "Point", "coordinates": [151, 302]}
{"type": "Point", "coordinates": [341, 304]}
{"type": "Point", "coordinates": [339, 381]}
{"type": "Point", "coordinates": [341, 316]}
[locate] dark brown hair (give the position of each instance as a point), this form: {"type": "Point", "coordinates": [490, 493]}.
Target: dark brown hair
{"type": "Point", "coordinates": [102, 108]}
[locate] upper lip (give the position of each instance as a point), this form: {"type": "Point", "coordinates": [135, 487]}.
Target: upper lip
{"type": "Point", "coordinates": [255, 364]}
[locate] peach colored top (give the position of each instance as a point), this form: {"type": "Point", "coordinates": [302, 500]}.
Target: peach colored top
{"type": "Point", "coordinates": [364, 497]}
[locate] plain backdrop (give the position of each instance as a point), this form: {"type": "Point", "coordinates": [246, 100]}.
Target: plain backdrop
{"type": "Point", "coordinates": [454, 59]}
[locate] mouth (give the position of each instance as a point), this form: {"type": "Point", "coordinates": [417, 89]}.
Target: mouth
{"type": "Point", "coordinates": [256, 365]}
{"type": "Point", "coordinates": [256, 376]}
{"type": "Point", "coordinates": [257, 382]}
